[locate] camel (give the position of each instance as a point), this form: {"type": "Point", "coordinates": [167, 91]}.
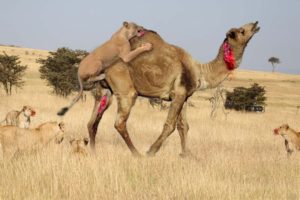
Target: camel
{"type": "Point", "coordinates": [167, 72]}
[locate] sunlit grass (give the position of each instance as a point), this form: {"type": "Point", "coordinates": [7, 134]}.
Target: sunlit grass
{"type": "Point", "coordinates": [237, 156]}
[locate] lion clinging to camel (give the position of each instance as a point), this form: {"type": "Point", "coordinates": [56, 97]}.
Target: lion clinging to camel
{"type": "Point", "coordinates": [170, 73]}
{"type": "Point", "coordinates": [105, 55]}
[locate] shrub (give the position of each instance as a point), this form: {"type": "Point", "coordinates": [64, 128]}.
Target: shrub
{"type": "Point", "coordinates": [11, 72]}
{"type": "Point", "coordinates": [242, 98]}
{"type": "Point", "coordinates": [60, 70]}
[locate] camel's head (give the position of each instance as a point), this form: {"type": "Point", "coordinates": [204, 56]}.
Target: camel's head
{"type": "Point", "coordinates": [281, 130]}
{"type": "Point", "coordinates": [238, 37]}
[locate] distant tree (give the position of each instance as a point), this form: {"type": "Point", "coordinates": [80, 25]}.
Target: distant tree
{"type": "Point", "coordinates": [60, 70]}
{"type": "Point", "coordinates": [273, 61]}
{"type": "Point", "coordinates": [11, 73]}
{"type": "Point", "coordinates": [241, 98]}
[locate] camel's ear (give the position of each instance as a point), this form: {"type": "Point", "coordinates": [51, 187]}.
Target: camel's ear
{"type": "Point", "coordinates": [86, 141]}
{"type": "Point", "coordinates": [24, 108]}
{"type": "Point", "coordinates": [231, 33]}
{"type": "Point", "coordinates": [125, 24]}
{"type": "Point", "coordinates": [287, 127]}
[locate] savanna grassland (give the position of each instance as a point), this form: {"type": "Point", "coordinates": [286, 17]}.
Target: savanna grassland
{"type": "Point", "coordinates": [237, 155]}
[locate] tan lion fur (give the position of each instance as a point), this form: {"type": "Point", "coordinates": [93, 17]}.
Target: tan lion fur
{"type": "Point", "coordinates": [108, 53]}
{"type": "Point", "coordinates": [79, 146]}
{"type": "Point", "coordinates": [20, 118]}
{"type": "Point", "coordinates": [14, 139]}
{"type": "Point", "coordinates": [291, 138]}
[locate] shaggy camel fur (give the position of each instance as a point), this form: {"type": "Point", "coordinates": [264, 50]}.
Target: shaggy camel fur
{"type": "Point", "coordinates": [291, 138]}
{"type": "Point", "coordinates": [170, 73]}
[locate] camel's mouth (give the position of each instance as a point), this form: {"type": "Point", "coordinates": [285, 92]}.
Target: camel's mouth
{"type": "Point", "coordinates": [255, 28]}
{"type": "Point", "coordinates": [276, 132]}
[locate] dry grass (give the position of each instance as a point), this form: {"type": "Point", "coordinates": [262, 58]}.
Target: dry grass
{"type": "Point", "coordinates": [238, 156]}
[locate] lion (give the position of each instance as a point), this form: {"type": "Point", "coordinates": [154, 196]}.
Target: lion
{"type": "Point", "coordinates": [79, 146]}
{"type": "Point", "coordinates": [291, 138]}
{"type": "Point", "coordinates": [108, 53]}
{"type": "Point", "coordinates": [20, 118]}
{"type": "Point", "coordinates": [14, 139]}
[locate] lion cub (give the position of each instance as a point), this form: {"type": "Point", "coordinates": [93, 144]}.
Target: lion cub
{"type": "Point", "coordinates": [108, 53]}
{"type": "Point", "coordinates": [20, 118]}
{"type": "Point", "coordinates": [291, 138]}
{"type": "Point", "coordinates": [79, 146]}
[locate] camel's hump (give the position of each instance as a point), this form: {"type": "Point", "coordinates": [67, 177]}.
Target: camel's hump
{"type": "Point", "coordinates": [150, 36]}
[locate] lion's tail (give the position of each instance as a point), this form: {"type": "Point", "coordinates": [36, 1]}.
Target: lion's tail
{"type": "Point", "coordinates": [64, 110]}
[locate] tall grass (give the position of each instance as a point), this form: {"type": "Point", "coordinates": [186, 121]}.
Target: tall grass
{"type": "Point", "coordinates": [238, 157]}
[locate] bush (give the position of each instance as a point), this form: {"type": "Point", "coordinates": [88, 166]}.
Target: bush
{"type": "Point", "coordinates": [11, 72]}
{"type": "Point", "coordinates": [244, 98]}
{"type": "Point", "coordinates": [60, 70]}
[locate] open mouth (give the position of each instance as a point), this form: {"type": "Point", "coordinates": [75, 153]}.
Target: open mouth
{"type": "Point", "coordinates": [140, 33]}
{"type": "Point", "coordinates": [276, 131]}
{"type": "Point", "coordinates": [255, 28]}
{"type": "Point", "coordinates": [32, 113]}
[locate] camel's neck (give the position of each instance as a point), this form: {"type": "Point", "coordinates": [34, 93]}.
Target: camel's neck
{"type": "Point", "coordinates": [211, 74]}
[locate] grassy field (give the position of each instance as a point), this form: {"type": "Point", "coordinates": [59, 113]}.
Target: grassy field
{"type": "Point", "coordinates": [238, 157]}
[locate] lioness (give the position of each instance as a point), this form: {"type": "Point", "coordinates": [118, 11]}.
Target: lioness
{"type": "Point", "coordinates": [108, 53]}
{"type": "Point", "coordinates": [20, 118]}
{"type": "Point", "coordinates": [79, 146]}
{"type": "Point", "coordinates": [291, 138]}
{"type": "Point", "coordinates": [13, 139]}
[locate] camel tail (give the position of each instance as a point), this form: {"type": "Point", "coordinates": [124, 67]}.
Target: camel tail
{"type": "Point", "coordinates": [64, 110]}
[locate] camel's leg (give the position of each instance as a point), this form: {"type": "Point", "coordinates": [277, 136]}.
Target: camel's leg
{"type": "Point", "coordinates": [119, 80]}
{"type": "Point", "coordinates": [169, 126]}
{"type": "Point", "coordinates": [183, 128]}
{"type": "Point", "coordinates": [102, 102]}
{"type": "Point", "coordinates": [125, 103]}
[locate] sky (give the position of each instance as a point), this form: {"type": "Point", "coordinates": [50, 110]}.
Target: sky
{"type": "Point", "coordinates": [198, 26]}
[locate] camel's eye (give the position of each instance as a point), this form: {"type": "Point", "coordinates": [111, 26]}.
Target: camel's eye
{"type": "Point", "coordinates": [243, 32]}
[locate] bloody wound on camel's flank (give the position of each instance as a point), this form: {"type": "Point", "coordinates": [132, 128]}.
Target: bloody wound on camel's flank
{"type": "Point", "coordinates": [170, 73]}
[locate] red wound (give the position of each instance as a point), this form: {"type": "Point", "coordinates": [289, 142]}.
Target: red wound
{"type": "Point", "coordinates": [103, 104]}
{"type": "Point", "coordinates": [228, 56]}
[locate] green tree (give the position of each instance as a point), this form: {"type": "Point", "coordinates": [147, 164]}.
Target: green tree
{"type": "Point", "coordinates": [60, 70]}
{"type": "Point", "coordinates": [11, 73]}
{"type": "Point", "coordinates": [242, 97]}
{"type": "Point", "coordinates": [273, 61]}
